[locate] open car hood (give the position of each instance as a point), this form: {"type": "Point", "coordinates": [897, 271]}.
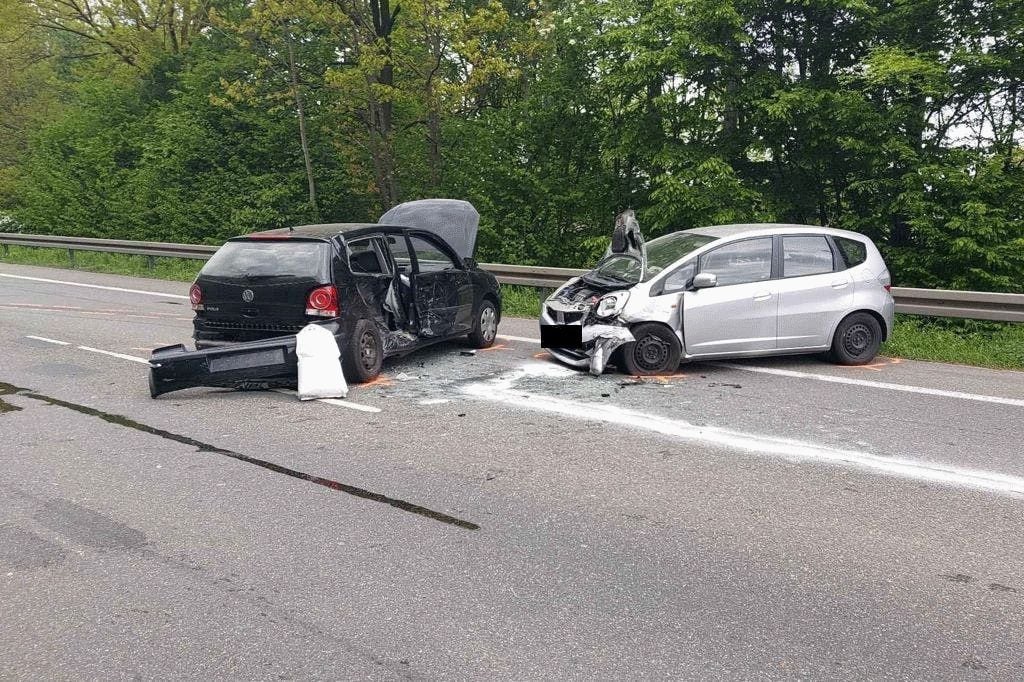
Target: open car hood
{"type": "Point", "coordinates": [627, 240]}
{"type": "Point", "coordinates": [454, 221]}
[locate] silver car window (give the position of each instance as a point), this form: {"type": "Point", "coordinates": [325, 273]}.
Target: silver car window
{"type": "Point", "coordinates": [852, 251]}
{"type": "Point", "coordinates": [749, 260]}
{"type": "Point", "coordinates": [806, 255]}
{"type": "Point", "coordinates": [680, 278]}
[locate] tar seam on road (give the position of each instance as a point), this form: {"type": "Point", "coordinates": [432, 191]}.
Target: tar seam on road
{"type": "Point", "coordinates": [120, 420]}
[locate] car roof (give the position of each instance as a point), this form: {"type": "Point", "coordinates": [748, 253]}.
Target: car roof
{"type": "Point", "coordinates": [763, 229]}
{"type": "Point", "coordinates": [324, 231]}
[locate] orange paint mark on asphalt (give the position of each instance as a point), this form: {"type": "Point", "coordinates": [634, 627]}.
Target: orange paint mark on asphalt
{"type": "Point", "coordinates": [497, 346]}
{"type": "Point", "coordinates": [658, 378]}
{"type": "Point", "coordinates": [380, 380]}
{"type": "Point", "coordinates": [876, 366]}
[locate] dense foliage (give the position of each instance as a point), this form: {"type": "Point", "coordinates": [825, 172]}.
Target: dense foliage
{"type": "Point", "coordinates": [192, 120]}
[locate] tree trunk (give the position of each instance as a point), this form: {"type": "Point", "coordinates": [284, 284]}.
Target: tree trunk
{"type": "Point", "coordinates": [300, 109]}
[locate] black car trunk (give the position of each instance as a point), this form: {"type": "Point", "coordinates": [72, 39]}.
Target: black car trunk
{"type": "Point", "coordinates": [258, 288]}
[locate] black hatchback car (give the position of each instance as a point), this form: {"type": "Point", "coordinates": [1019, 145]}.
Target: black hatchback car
{"type": "Point", "coordinates": [388, 288]}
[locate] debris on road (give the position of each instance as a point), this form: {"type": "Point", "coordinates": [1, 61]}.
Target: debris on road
{"type": "Point", "coordinates": [320, 374]}
{"type": "Point", "coordinates": [470, 352]}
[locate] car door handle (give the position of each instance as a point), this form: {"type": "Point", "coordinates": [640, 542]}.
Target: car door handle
{"type": "Point", "coordinates": [840, 284]}
{"type": "Point", "coordinates": [762, 297]}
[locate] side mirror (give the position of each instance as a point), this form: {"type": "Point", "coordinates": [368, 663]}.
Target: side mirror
{"type": "Point", "coordinates": [470, 263]}
{"type": "Point", "coordinates": [705, 280]}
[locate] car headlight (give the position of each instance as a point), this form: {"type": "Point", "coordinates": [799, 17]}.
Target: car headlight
{"type": "Point", "coordinates": [612, 304]}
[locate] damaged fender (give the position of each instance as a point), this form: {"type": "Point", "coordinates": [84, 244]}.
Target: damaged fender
{"type": "Point", "coordinates": [606, 338]}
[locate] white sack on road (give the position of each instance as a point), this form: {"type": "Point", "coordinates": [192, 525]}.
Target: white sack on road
{"type": "Point", "coordinates": [319, 364]}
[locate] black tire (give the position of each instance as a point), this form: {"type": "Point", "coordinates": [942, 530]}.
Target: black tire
{"type": "Point", "coordinates": [655, 351]}
{"type": "Point", "coordinates": [857, 340]}
{"type": "Point", "coordinates": [363, 353]}
{"type": "Point", "coordinates": [485, 325]}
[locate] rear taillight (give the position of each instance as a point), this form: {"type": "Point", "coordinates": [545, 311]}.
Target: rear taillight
{"type": "Point", "coordinates": [195, 295]}
{"type": "Point", "coordinates": [323, 302]}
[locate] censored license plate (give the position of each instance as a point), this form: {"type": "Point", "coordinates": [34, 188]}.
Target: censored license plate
{"type": "Point", "coordinates": [561, 336]}
{"type": "Point", "coordinates": [263, 358]}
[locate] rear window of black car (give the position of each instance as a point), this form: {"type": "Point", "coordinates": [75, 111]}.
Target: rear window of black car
{"type": "Point", "coordinates": [852, 251]}
{"type": "Point", "coordinates": [249, 260]}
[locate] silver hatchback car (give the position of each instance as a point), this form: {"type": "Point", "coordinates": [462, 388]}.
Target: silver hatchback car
{"type": "Point", "coordinates": [727, 291]}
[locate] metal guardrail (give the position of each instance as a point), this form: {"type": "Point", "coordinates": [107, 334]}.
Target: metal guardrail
{"type": "Point", "coordinates": [977, 305]}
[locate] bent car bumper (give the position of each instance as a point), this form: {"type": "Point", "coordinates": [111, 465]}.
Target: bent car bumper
{"type": "Point", "coordinates": [257, 364]}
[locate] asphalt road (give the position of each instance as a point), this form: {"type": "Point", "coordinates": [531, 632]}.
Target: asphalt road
{"type": "Point", "coordinates": [495, 516]}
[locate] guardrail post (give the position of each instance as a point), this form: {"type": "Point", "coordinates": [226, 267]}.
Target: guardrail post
{"type": "Point", "coordinates": [542, 295]}
{"type": "Point", "coordinates": [151, 263]}
{"type": "Point", "coordinates": [71, 257]}
{"type": "Point", "coordinates": [7, 250]}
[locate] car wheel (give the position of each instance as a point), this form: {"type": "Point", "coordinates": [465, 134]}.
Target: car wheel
{"type": "Point", "coordinates": [363, 354]}
{"type": "Point", "coordinates": [857, 340]}
{"type": "Point", "coordinates": [655, 351]}
{"type": "Point", "coordinates": [485, 325]}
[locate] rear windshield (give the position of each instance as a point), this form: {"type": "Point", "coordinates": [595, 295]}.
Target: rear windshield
{"type": "Point", "coordinates": [249, 260]}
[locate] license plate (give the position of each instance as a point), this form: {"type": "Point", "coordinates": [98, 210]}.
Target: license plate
{"type": "Point", "coordinates": [263, 358]}
{"type": "Point", "coordinates": [561, 336]}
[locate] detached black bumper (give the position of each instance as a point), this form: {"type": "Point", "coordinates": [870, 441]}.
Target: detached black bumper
{"type": "Point", "coordinates": [261, 364]}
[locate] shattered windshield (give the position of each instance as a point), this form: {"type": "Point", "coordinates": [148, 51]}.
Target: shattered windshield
{"type": "Point", "coordinates": [661, 253]}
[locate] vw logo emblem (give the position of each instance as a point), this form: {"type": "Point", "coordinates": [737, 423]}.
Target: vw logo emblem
{"type": "Point", "coordinates": [247, 296]}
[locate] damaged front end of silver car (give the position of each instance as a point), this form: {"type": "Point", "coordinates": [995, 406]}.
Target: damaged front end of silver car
{"type": "Point", "coordinates": [581, 324]}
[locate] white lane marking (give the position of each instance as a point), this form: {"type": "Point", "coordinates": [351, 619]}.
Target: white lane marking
{"type": "Point", "coordinates": [959, 395]}
{"type": "Point", "coordinates": [112, 354]}
{"type": "Point", "coordinates": [502, 390]}
{"type": "Point", "coordinates": [525, 339]}
{"type": "Point", "coordinates": [348, 404]}
{"type": "Point", "coordinates": [46, 340]}
{"type": "Point", "coordinates": [435, 401]}
{"type": "Point", "coordinates": [334, 401]}
{"type": "Point", "coordinates": [94, 286]}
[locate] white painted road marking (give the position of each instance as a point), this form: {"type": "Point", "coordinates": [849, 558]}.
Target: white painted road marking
{"type": "Point", "coordinates": [94, 286]}
{"type": "Point", "coordinates": [351, 405]}
{"type": "Point", "coordinates": [133, 358]}
{"type": "Point", "coordinates": [46, 340]}
{"type": "Point", "coordinates": [525, 339]}
{"type": "Point", "coordinates": [334, 401]}
{"type": "Point", "coordinates": [502, 390]}
{"type": "Point", "coordinates": [874, 384]}
{"type": "Point", "coordinates": [889, 386]}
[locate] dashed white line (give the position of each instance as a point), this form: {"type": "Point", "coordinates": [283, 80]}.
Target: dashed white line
{"type": "Point", "coordinates": [46, 340]}
{"type": "Point", "coordinates": [334, 401]}
{"type": "Point", "coordinates": [525, 339]}
{"type": "Point", "coordinates": [94, 286]}
{"type": "Point", "coordinates": [350, 405]}
{"type": "Point", "coordinates": [133, 358]}
{"type": "Point", "coordinates": [959, 395]}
